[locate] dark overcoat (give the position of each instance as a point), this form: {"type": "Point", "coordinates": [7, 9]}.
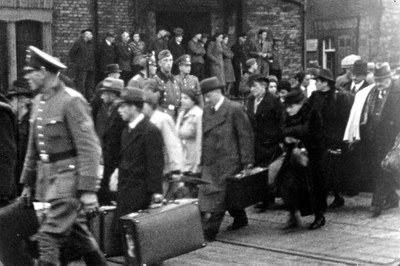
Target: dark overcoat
{"type": "Point", "coordinates": [124, 55]}
{"type": "Point", "coordinates": [106, 54]}
{"type": "Point", "coordinates": [215, 58]}
{"type": "Point", "coordinates": [140, 168]}
{"type": "Point", "coordinates": [82, 55]}
{"type": "Point", "coordinates": [8, 148]}
{"type": "Point", "coordinates": [228, 144]}
{"type": "Point", "coordinates": [266, 123]}
{"type": "Point", "coordinates": [228, 67]}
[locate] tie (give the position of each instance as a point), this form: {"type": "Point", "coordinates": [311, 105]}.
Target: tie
{"type": "Point", "coordinates": [353, 89]}
{"type": "Point", "coordinates": [212, 110]}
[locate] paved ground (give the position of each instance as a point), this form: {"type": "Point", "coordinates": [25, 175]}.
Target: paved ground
{"type": "Point", "coordinates": [350, 237]}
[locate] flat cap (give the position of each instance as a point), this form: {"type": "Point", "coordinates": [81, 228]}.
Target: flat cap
{"type": "Point", "coordinates": [85, 30]}
{"type": "Point", "coordinates": [183, 60]}
{"type": "Point", "coordinates": [112, 84]}
{"type": "Point", "coordinates": [349, 60]}
{"type": "Point", "coordinates": [251, 62]}
{"type": "Point", "coordinates": [163, 54]}
{"type": "Point", "coordinates": [210, 84]}
{"type": "Point", "coordinates": [256, 77]}
{"type": "Point", "coordinates": [131, 95]}
{"type": "Point", "coordinates": [36, 59]}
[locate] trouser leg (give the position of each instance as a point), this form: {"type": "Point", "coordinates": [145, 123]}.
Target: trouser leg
{"type": "Point", "coordinates": [89, 85]}
{"type": "Point", "coordinates": [239, 216]}
{"type": "Point", "coordinates": [211, 222]}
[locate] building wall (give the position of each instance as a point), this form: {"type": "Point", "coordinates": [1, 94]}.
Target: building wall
{"type": "Point", "coordinates": [283, 19]}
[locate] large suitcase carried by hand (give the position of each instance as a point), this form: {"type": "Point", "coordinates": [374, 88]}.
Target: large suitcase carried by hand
{"type": "Point", "coordinates": [158, 234]}
{"type": "Point", "coordinates": [247, 188]}
{"type": "Point", "coordinates": [103, 229]}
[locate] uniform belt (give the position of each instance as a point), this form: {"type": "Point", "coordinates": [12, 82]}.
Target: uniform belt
{"type": "Point", "coordinates": [54, 157]}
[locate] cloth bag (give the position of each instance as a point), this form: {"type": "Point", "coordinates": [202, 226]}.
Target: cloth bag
{"type": "Point", "coordinates": [299, 155]}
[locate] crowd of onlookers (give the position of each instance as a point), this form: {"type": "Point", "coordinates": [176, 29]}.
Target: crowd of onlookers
{"type": "Point", "coordinates": [321, 133]}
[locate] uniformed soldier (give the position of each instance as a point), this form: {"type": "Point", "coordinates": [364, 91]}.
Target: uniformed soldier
{"type": "Point", "coordinates": [184, 79]}
{"type": "Point", "coordinates": [65, 152]}
{"type": "Point", "coordinates": [167, 86]}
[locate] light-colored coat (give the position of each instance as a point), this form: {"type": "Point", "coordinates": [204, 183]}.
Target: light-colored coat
{"type": "Point", "coordinates": [189, 129]}
{"type": "Point", "coordinates": [228, 145]}
{"type": "Point", "coordinates": [172, 145]}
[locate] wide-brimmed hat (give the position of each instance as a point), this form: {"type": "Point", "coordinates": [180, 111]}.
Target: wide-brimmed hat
{"type": "Point", "coordinates": [113, 68]}
{"type": "Point", "coordinates": [360, 67]}
{"type": "Point", "coordinates": [131, 95]}
{"type": "Point", "coordinates": [293, 97]}
{"type": "Point", "coordinates": [256, 77]}
{"type": "Point", "coordinates": [210, 84]}
{"type": "Point", "coordinates": [20, 88]}
{"type": "Point", "coordinates": [382, 71]}
{"type": "Point", "coordinates": [112, 84]}
{"type": "Point", "coordinates": [326, 74]}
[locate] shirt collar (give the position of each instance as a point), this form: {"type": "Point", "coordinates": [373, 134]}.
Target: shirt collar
{"type": "Point", "coordinates": [219, 103]}
{"type": "Point", "coordinates": [108, 42]}
{"type": "Point", "coordinates": [136, 121]}
{"type": "Point", "coordinates": [358, 86]}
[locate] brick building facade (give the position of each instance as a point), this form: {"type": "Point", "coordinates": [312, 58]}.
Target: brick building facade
{"type": "Point", "coordinates": [336, 28]}
{"type": "Point", "coordinates": [54, 25]}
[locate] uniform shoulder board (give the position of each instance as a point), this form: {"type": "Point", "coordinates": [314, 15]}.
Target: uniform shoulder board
{"type": "Point", "coordinates": [73, 93]}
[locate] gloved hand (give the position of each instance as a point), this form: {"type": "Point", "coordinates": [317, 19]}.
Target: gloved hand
{"type": "Point", "coordinates": [90, 203]}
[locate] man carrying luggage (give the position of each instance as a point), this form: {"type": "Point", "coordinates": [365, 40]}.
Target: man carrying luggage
{"type": "Point", "coordinates": [228, 147]}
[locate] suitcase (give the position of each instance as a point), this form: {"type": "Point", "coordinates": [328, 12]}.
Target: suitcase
{"type": "Point", "coordinates": [158, 234]}
{"type": "Point", "coordinates": [247, 188]}
{"type": "Point", "coordinates": [103, 229]}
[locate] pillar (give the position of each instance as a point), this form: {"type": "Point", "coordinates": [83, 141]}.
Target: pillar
{"type": "Point", "coordinates": [12, 52]}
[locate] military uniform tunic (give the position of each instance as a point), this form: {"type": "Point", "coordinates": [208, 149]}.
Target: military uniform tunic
{"type": "Point", "coordinates": [170, 94]}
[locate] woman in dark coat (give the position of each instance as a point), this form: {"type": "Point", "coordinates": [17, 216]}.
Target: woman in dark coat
{"type": "Point", "coordinates": [215, 57]}
{"type": "Point", "coordinates": [299, 184]}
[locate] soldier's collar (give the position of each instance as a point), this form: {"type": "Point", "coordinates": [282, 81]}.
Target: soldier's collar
{"type": "Point", "coordinates": [164, 77]}
{"type": "Point", "coordinates": [47, 94]}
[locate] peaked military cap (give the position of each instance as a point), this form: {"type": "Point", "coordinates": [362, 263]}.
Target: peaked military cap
{"type": "Point", "coordinates": [36, 59]}
{"type": "Point", "coordinates": [183, 60]}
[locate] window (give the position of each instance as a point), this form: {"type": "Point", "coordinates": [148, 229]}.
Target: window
{"type": "Point", "coordinates": [328, 53]}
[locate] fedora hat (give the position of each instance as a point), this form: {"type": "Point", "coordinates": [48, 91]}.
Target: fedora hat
{"type": "Point", "coordinates": [360, 67]}
{"type": "Point", "coordinates": [256, 77]}
{"type": "Point", "coordinates": [210, 84]}
{"type": "Point", "coordinates": [294, 97]}
{"type": "Point", "coordinates": [131, 95]}
{"type": "Point", "coordinates": [382, 71]}
{"type": "Point", "coordinates": [112, 84]}
{"type": "Point", "coordinates": [113, 68]}
{"type": "Point", "coordinates": [325, 74]}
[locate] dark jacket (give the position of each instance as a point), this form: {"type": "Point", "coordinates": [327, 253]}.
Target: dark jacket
{"type": "Point", "coordinates": [177, 50]}
{"type": "Point", "coordinates": [22, 143]}
{"type": "Point", "coordinates": [347, 86]}
{"type": "Point", "coordinates": [157, 45]}
{"type": "Point", "coordinates": [196, 51]}
{"type": "Point", "coordinates": [124, 55]}
{"type": "Point", "coordinates": [140, 168]}
{"type": "Point", "coordinates": [82, 55]}
{"type": "Point", "coordinates": [239, 58]}
{"type": "Point", "coordinates": [8, 149]}
{"type": "Point", "coordinates": [266, 124]}
{"type": "Point", "coordinates": [106, 55]}
{"type": "Point", "coordinates": [228, 145]}
{"type": "Point", "coordinates": [215, 58]}
{"type": "Point", "coordinates": [334, 107]}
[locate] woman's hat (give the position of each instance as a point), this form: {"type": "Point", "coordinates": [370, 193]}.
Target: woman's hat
{"type": "Point", "coordinates": [294, 97]}
{"type": "Point", "coordinates": [326, 74]}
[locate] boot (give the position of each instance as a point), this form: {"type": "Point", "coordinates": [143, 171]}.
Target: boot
{"type": "Point", "coordinates": [318, 222]}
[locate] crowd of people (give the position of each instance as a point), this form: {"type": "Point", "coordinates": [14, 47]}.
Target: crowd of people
{"type": "Point", "coordinates": [162, 112]}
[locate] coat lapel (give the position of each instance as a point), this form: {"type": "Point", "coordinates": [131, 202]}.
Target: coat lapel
{"type": "Point", "coordinates": [212, 120]}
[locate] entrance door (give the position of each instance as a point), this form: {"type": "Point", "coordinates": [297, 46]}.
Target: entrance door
{"type": "Point", "coordinates": [3, 58]}
{"type": "Point", "coordinates": [28, 33]}
{"type": "Point", "coordinates": [190, 22]}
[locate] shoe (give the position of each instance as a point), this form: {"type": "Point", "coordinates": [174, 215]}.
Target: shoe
{"type": "Point", "coordinates": [337, 202]}
{"type": "Point", "coordinates": [318, 222]}
{"type": "Point", "coordinates": [376, 211]}
{"type": "Point", "coordinates": [237, 225]}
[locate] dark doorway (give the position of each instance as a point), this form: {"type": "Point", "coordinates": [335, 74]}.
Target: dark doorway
{"type": "Point", "coordinates": [28, 33]}
{"type": "Point", "coordinates": [190, 22]}
{"type": "Point", "coordinates": [3, 58]}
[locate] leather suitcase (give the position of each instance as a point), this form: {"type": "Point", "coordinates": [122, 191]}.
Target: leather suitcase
{"type": "Point", "coordinates": [247, 188]}
{"type": "Point", "coordinates": [158, 234]}
{"type": "Point", "coordinates": [102, 228]}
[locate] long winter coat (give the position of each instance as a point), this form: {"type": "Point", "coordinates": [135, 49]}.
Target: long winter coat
{"type": "Point", "coordinates": [228, 67]}
{"type": "Point", "coordinates": [300, 186]}
{"type": "Point", "coordinates": [266, 123]}
{"type": "Point", "coordinates": [140, 168]}
{"type": "Point", "coordinates": [124, 55]}
{"type": "Point", "coordinates": [215, 57]}
{"type": "Point", "coordinates": [228, 145]}
{"type": "Point", "coordinates": [106, 55]}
